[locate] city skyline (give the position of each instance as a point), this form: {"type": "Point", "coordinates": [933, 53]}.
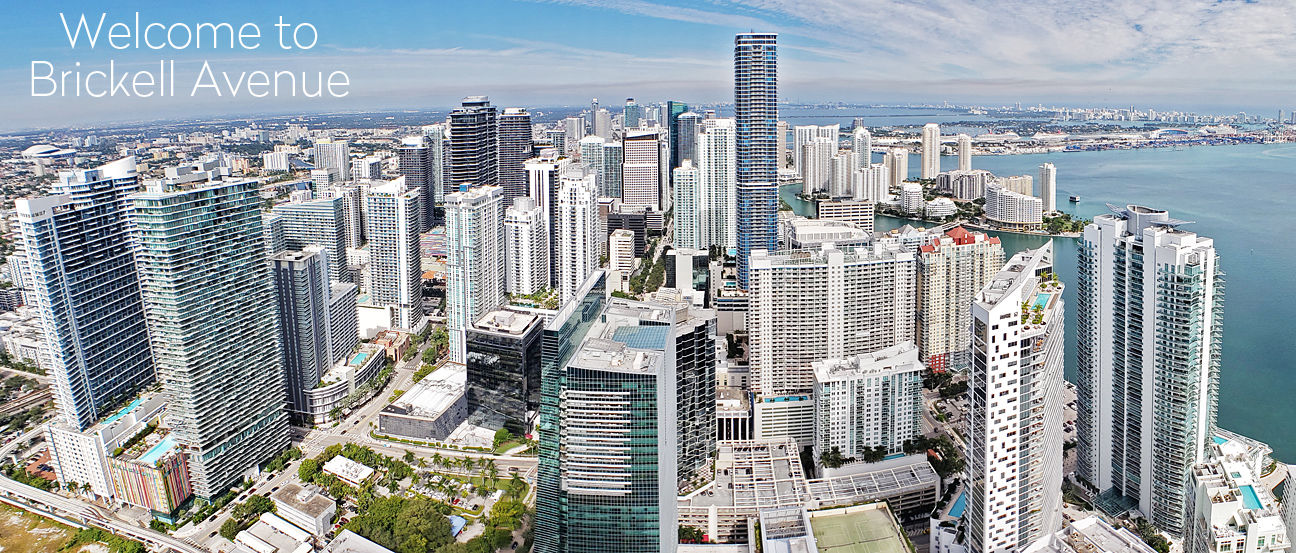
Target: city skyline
{"type": "Point", "coordinates": [1049, 52]}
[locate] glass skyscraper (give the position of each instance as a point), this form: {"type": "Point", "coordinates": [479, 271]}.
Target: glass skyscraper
{"type": "Point", "coordinates": [87, 288]}
{"type": "Point", "coordinates": [1151, 303]}
{"type": "Point", "coordinates": [756, 112]}
{"type": "Point", "coordinates": [211, 312]}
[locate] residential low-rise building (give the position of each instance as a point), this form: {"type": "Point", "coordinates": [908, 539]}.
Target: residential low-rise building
{"type": "Point", "coordinates": [343, 380]}
{"type": "Point", "coordinates": [81, 456]}
{"type": "Point", "coordinates": [305, 507]}
{"type": "Point", "coordinates": [348, 471]}
{"type": "Point", "coordinates": [152, 473]}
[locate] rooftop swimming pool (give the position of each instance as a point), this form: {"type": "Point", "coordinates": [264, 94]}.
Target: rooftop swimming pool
{"type": "Point", "coordinates": [1218, 440]}
{"type": "Point", "coordinates": [960, 505]}
{"type": "Point", "coordinates": [126, 409]}
{"type": "Point", "coordinates": [157, 451]}
{"type": "Point", "coordinates": [1250, 499]}
{"type": "Point", "coordinates": [1041, 301]}
{"type": "Point", "coordinates": [359, 359]}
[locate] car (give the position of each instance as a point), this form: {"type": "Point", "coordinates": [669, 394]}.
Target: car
{"type": "Point", "coordinates": [514, 546]}
{"type": "Point", "coordinates": [211, 535]}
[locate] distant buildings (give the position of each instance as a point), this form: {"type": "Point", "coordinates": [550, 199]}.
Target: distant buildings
{"type": "Point", "coordinates": [474, 144]}
{"type": "Point", "coordinates": [421, 163]}
{"type": "Point", "coordinates": [931, 150]}
{"type": "Point", "coordinates": [83, 273]}
{"type": "Point", "coordinates": [964, 152]}
{"type": "Point", "coordinates": [952, 269]}
{"type": "Point", "coordinates": [1048, 186]}
{"type": "Point", "coordinates": [756, 116]}
{"type": "Point", "coordinates": [515, 147]}
{"type": "Point", "coordinates": [211, 312]}
{"type": "Point", "coordinates": [868, 401]}
{"type": "Point", "coordinates": [475, 270]}
{"type": "Point", "coordinates": [816, 165]}
{"type": "Point", "coordinates": [1011, 210]}
{"type": "Point", "coordinates": [1150, 306]}
{"type": "Point", "coordinates": [333, 156]}
{"type": "Point", "coordinates": [911, 198]}
{"type": "Point", "coordinates": [394, 219]}
{"type": "Point", "coordinates": [862, 146]}
{"type": "Point", "coordinates": [643, 174]}
{"type": "Point", "coordinates": [321, 223]}
{"type": "Point", "coordinates": [896, 162]}
{"type": "Point", "coordinates": [1014, 435]}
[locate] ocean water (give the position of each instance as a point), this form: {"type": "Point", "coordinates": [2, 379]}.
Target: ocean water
{"type": "Point", "coordinates": [1244, 197]}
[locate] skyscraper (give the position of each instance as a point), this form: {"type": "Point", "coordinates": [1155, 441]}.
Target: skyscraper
{"type": "Point", "coordinates": [687, 127]}
{"type": "Point", "coordinates": [322, 223]}
{"type": "Point", "coordinates": [632, 114]}
{"type": "Point", "coordinates": [475, 278]}
{"type": "Point", "coordinates": [642, 171]}
{"type": "Point", "coordinates": [394, 218]}
{"type": "Point", "coordinates": [862, 145]}
{"type": "Point", "coordinates": [756, 113]}
{"type": "Point", "coordinates": [965, 152]}
{"type": "Point", "coordinates": [302, 289]}
{"type": "Point", "coordinates": [647, 369]}
{"type": "Point", "coordinates": [716, 164]}
{"type": "Point", "coordinates": [515, 148]}
{"type": "Point", "coordinates": [897, 164]}
{"type": "Point", "coordinates": [1048, 186]}
{"type": "Point", "coordinates": [333, 156]}
{"type": "Point", "coordinates": [613, 158]}
{"type": "Point", "coordinates": [673, 110]}
{"type": "Point", "coordinates": [474, 144]}
{"type": "Point", "coordinates": [591, 158]}
{"type": "Point", "coordinates": [211, 314]}
{"type": "Point", "coordinates": [816, 165]}
{"type": "Point", "coordinates": [1014, 434]}
{"type": "Point", "coordinates": [1150, 317]}
{"type": "Point", "coordinates": [688, 206]}
{"type": "Point", "coordinates": [578, 233]}
{"type": "Point", "coordinates": [868, 401]}
{"type": "Point", "coordinates": [952, 269]}
{"type": "Point", "coordinates": [526, 247]}
{"type": "Point", "coordinates": [931, 149]}
{"type": "Point", "coordinates": [83, 274]}
{"type": "Point", "coordinates": [418, 165]}
{"type": "Point", "coordinates": [352, 209]}
{"type": "Point", "coordinates": [544, 174]}
{"type": "Point", "coordinates": [810, 305]}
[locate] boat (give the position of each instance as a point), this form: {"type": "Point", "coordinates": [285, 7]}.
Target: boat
{"type": "Point", "coordinates": [1075, 199]}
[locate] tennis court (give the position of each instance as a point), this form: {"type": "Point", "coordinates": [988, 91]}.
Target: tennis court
{"type": "Point", "coordinates": [859, 529]}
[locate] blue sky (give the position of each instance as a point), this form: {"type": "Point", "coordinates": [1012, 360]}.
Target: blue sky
{"type": "Point", "coordinates": [411, 54]}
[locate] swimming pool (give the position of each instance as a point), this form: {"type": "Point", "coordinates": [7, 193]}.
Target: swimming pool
{"type": "Point", "coordinates": [1041, 301]}
{"type": "Point", "coordinates": [154, 453]}
{"type": "Point", "coordinates": [960, 505]}
{"type": "Point", "coordinates": [359, 359]}
{"type": "Point", "coordinates": [1250, 499]}
{"type": "Point", "coordinates": [126, 409]}
{"type": "Point", "coordinates": [1219, 440]}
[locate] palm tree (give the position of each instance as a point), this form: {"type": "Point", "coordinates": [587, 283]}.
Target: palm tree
{"type": "Point", "coordinates": [437, 459]}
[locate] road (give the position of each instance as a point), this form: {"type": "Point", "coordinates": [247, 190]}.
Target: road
{"type": "Point", "coordinates": [83, 514]}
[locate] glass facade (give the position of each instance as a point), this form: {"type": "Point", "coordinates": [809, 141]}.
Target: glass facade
{"type": "Point", "coordinates": [756, 114]}
{"type": "Point", "coordinates": [504, 372]}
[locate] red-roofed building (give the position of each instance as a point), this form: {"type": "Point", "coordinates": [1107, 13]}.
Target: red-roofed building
{"type": "Point", "coordinates": [952, 268]}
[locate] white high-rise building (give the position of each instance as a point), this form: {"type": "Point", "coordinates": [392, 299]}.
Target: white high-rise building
{"type": "Point", "coordinates": [868, 401]}
{"type": "Point", "coordinates": [717, 164]}
{"type": "Point", "coordinates": [603, 123]}
{"type": "Point", "coordinates": [810, 305]}
{"type": "Point", "coordinates": [1048, 186]}
{"type": "Point", "coordinates": [621, 251]}
{"type": "Point", "coordinates": [952, 268]}
{"type": "Point", "coordinates": [1008, 209]}
{"type": "Point", "coordinates": [475, 272]}
{"type": "Point", "coordinates": [862, 145]}
{"type": "Point", "coordinates": [578, 233]}
{"type": "Point", "coordinates": [543, 176]}
{"type": "Point", "coordinates": [1014, 433]}
{"type": "Point", "coordinates": [806, 134]}
{"type": "Point", "coordinates": [911, 197]}
{"type": "Point", "coordinates": [641, 175]}
{"type": "Point", "coordinates": [897, 164]}
{"type": "Point", "coordinates": [843, 171]}
{"type": "Point", "coordinates": [689, 199]}
{"type": "Point", "coordinates": [816, 165]}
{"type": "Point", "coordinates": [931, 150]}
{"type": "Point", "coordinates": [965, 152]}
{"type": "Point", "coordinates": [1150, 318]}
{"type": "Point", "coordinates": [852, 300]}
{"type": "Point", "coordinates": [394, 218]}
{"type": "Point", "coordinates": [526, 247]}
{"type": "Point", "coordinates": [353, 211]}
{"type": "Point", "coordinates": [333, 156]}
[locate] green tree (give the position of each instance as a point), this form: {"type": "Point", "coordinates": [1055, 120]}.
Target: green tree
{"type": "Point", "coordinates": [502, 435]}
{"type": "Point", "coordinates": [308, 470]}
{"type": "Point", "coordinates": [403, 525]}
{"type": "Point", "coordinates": [689, 534]}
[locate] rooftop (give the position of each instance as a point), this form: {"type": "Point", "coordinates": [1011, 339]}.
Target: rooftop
{"type": "Point", "coordinates": [435, 393]}
{"type": "Point", "coordinates": [347, 469]}
{"type": "Point", "coordinates": [900, 357]}
{"type": "Point", "coordinates": [750, 473]}
{"type": "Point", "coordinates": [305, 499]}
{"type": "Point", "coordinates": [351, 542]}
{"type": "Point", "coordinates": [867, 528]}
{"type": "Point", "coordinates": [506, 322]}
{"type": "Point", "coordinates": [868, 481]}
